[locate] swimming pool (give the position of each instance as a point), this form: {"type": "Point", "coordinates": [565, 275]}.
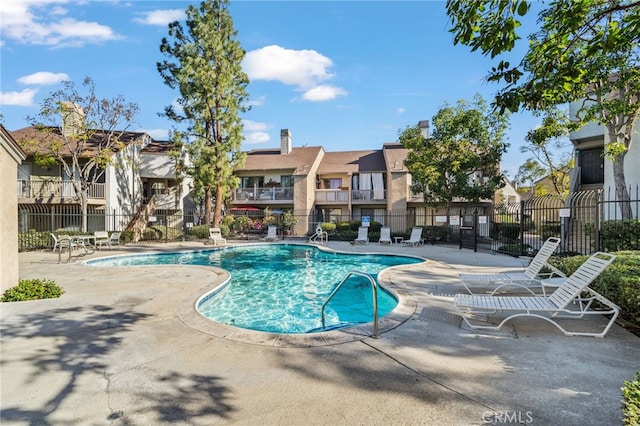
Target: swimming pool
{"type": "Point", "coordinates": [281, 288]}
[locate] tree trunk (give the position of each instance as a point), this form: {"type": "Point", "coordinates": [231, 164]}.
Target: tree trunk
{"type": "Point", "coordinates": [207, 205]}
{"type": "Point", "coordinates": [217, 213]}
{"type": "Point", "coordinates": [622, 194]}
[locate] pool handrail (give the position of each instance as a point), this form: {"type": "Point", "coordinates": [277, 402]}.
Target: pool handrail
{"type": "Point", "coordinates": [374, 286]}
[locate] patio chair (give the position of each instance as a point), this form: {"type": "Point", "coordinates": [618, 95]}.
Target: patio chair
{"type": "Point", "coordinates": [524, 279]}
{"type": "Point", "coordinates": [215, 236]}
{"type": "Point", "coordinates": [385, 235]}
{"type": "Point", "coordinates": [101, 238]}
{"type": "Point", "coordinates": [114, 239]}
{"type": "Point", "coordinates": [62, 242]}
{"type": "Point", "coordinates": [363, 236]}
{"type": "Point", "coordinates": [415, 239]}
{"type": "Point", "coordinates": [566, 302]}
{"type": "Point", "coordinates": [272, 233]}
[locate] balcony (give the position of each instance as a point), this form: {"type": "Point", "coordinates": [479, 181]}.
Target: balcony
{"type": "Point", "coordinates": [55, 188]}
{"type": "Point", "coordinates": [263, 195]}
{"type": "Point", "coordinates": [332, 196]}
{"type": "Point", "coordinates": [368, 196]}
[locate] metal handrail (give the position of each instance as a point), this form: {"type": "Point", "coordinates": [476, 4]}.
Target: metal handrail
{"type": "Point", "coordinates": [374, 286]}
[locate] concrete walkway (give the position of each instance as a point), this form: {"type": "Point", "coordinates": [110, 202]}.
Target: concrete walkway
{"type": "Point", "coordinates": [123, 346]}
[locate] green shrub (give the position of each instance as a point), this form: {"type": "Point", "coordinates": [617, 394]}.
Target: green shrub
{"type": "Point", "coordinates": [435, 233]}
{"type": "Point", "coordinates": [329, 227]}
{"type": "Point", "coordinates": [199, 231]}
{"type": "Point", "coordinates": [618, 235]}
{"type": "Point", "coordinates": [32, 290]}
{"type": "Point", "coordinates": [506, 231]}
{"type": "Point", "coordinates": [514, 249]}
{"type": "Point", "coordinates": [620, 282]}
{"type": "Point", "coordinates": [549, 230]}
{"type": "Point", "coordinates": [631, 402]}
{"type": "Point", "coordinates": [127, 236]}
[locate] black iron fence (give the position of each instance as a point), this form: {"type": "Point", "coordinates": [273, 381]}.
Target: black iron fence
{"type": "Point", "coordinates": [586, 222]}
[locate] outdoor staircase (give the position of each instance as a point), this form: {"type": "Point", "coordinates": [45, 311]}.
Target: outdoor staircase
{"type": "Point", "coordinates": [139, 221]}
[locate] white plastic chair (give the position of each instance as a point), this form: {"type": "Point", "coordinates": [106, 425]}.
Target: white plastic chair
{"type": "Point", "coordinates": [215, 236]}
{"type": "Point", "coordinates": [272, 233]}
{"type": "Point", "coordinates": [415, 238]}
{"type": "Point", "coordinates": [385, 235]}
{"type": "Point", "coordinates": [363, 236]}
{"type": "Point", "coordinates": [101, 237]}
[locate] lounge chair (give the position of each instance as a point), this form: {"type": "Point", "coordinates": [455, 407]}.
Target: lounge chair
{"type": "Point", "coordinates": [363, 236]}
{"type": "Point", "coordinates": [385, 235]}
{"type": "Point", "coordinates": [531, 276]}
{"type": "Point", "coordinates": [415, 239]}
{"type": "Point", "coordinates": [549, 308]}
{"type": "Point", "coordinates": [215, 236]}
{"type": "Point", "coordinates": [114, 239]}
{"type": "Point", "coordinates": [272, 233]}
{"type": "Point", "coordinates": [101, 237]}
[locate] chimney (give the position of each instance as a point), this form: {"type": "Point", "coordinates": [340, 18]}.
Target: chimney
{"type": "Point", "coordinates": [72, 118]}
{"type": "Point", "coordinates": [285, 142]}
{"type": "Point", "coordinates": [424, 128]}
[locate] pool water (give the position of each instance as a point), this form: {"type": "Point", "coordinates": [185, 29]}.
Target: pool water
{"type": "Point", "coordinates": [281, 287]}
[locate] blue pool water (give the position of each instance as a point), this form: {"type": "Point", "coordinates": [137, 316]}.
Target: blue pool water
{"type": "Point", "coordinates": [281, 288]}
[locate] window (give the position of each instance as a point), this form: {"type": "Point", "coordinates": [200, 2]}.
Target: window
{"type": "Point", "coordinates": [286, 181]}
{"type": "Point", "coordinates": [252, 181]}
{"type": "Point", "coordinates": [333, 183]}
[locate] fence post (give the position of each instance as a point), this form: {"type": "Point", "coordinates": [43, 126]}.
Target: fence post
{"type": "Point", "coordinates": [521, 219]}
{"type": "Point", "coordinates": [596, 225]}
{"type": "Point", "coordinates": [475, 229]}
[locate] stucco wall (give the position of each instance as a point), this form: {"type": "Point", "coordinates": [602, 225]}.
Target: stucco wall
{"type": "Point", "coordinates": [8, 220]}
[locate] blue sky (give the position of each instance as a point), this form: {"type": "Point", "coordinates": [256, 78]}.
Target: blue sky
{"type": "Point", "coordinates": [344, 75]}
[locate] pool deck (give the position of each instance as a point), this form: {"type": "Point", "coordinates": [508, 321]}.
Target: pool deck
{"type": "Point", "coordinates": [123, 346]}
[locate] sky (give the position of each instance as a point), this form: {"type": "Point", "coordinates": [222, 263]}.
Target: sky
{"type": "Point", "coordinates": [345, 75]}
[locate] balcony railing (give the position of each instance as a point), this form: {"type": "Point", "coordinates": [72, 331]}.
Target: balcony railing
{"type": "Point", "coordinates": [42, 188]}
{"type": "Point", "coordinates": [332, 195]}
{"type": "Point", "coordinates": [264, 194]}
{"type": "Point", "coordinates": [359, 196]}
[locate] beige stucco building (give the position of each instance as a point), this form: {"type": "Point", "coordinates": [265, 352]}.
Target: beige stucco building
{"type": "Point", "coordinates": [11, 155]}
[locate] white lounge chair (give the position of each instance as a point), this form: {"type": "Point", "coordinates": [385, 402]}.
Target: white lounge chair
{"type": "Point", "coordinates": [566, 302]}
{"type": "Point", "coordinates": [215, 236]}
{"type": "Point", "coordinates": [531, 276]}
{"type": "Point", "coordinates": [101, 237]}
{"type": "Point", "coordinates": [415, 239]}
{"type": "Point", "coordinates": [272, 233]}
{"type": "Point", "coordinates": [363, 236]}
{"type": "Point", "coordinates": [114, 239]}
{"type": "Point", "coordinates": [62, 242]}
{"type": "Point", "coordinates": [385, 235]}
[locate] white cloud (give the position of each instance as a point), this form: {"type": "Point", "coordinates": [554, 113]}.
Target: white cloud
{"type": "Point", "coordinates": [400, 111]}
{"type": "Point", "coordinates": [259, 101]}
{"type": "Point", "coordinates": [161, 17]}
{"type": "Point", "coordinates": [255, 132]}
{"type": "Point", "coordinates": [255, 138]}
{"type": "Point", "coordinates": [22, 98]}
{"type": "Point", "coordinates": [323, 93]}
{"type": "Point", "coordinates": [43, 78]}
{"type": "Point", "coordinates": [44, 22]}
{"type": "Point", "coordinates": [157, 134]}
{"type": "Point", "coordinates": [253, 126]}
{"type": "Point", "coordinates": [304, 69]}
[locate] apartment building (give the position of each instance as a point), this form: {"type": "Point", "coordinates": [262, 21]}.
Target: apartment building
{"type": "Point", "coordinates": [140, 177]}
{"type": "Point", "coordinates": [322, 186]}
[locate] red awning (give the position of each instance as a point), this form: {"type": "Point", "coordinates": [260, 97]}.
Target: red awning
{"type": "Point", "coordinates": [244, 208]}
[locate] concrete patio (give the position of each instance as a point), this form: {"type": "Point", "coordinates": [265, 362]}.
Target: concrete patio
{"type": "Point", "coordinates": [124, 346]}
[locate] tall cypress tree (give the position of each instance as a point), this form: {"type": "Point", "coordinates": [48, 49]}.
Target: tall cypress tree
{"type": "Point", "coordinates": [203, 61]}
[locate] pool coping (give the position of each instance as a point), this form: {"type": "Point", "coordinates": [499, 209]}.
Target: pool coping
{"type": "Point", "coordinates": [187, 312]}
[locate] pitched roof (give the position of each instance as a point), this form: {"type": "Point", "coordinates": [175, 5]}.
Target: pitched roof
{"type": "Point", "coordinates": [272, 159]}
{"type": "Point", "coordinates": [158, 147]}
{"type": "Point", "coordinates": [10, 144]}
{"type": "Point", "coordinates": [352, 161]}
{"type": "Point", "coordinates": [34, 140]}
